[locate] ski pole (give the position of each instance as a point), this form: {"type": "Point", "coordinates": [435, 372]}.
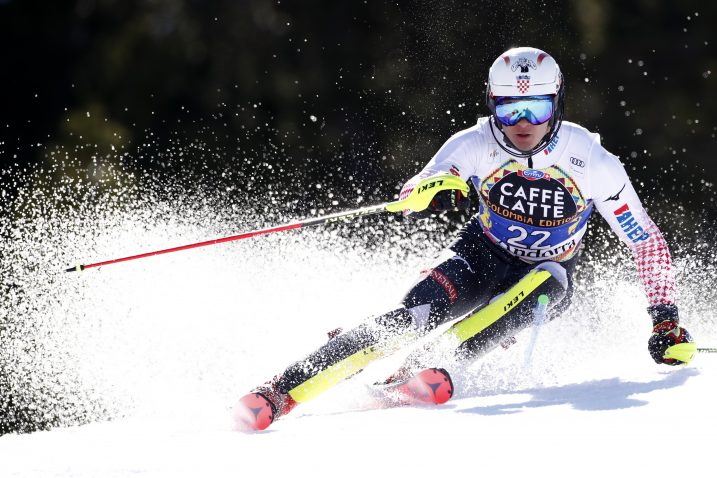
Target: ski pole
{"type": "Point", "coordinates": [418, 200]}
{"type": "Point", "coordinates": [538, 320]}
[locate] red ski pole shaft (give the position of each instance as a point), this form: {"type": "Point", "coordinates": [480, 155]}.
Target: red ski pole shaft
{"type": "Point", "coordinates": [345, 216]}
{"type": "Point", "coordinates": [417, 200]}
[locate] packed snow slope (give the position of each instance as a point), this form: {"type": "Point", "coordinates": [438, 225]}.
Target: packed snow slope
{"type": "Point", "coordinates": [131, 370]}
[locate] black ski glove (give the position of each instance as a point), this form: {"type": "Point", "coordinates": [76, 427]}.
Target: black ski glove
{"type": "Point", "coordinates": [666, 332]}
{"type": "Point", "coordinates": [449, 200]}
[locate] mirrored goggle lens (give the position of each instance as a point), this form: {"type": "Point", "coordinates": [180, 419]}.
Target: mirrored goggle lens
{"type": "Point", "coordinates": [537, 110]}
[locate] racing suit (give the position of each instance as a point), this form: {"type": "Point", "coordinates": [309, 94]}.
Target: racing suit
{"type": "Point", "coordinates": [532, 210]}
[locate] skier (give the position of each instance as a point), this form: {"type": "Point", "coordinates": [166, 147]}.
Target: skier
{"type": "Point", "coordinates": [538, 179]}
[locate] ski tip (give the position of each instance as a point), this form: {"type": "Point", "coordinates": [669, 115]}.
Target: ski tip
{"type": "Point", "coordinates": [432, 385]}
{"type": "Point", "coordinates": [77, 268]}
{"type": "Point", "coordinates": [436, 385]}
{"type": "Point", "coordinates": [254, 412]}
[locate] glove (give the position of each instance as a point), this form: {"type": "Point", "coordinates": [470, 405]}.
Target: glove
{"type": "Point", "coordinates": [666, 332]}
{"type": "Point", "coordinates": [448, 200]}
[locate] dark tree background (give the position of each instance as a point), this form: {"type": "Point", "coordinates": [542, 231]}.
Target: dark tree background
{"type": "Point", "coordinates": [365, 90]}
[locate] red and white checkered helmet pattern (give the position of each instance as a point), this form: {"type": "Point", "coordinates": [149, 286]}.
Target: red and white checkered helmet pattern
{"type": "Point", "coordinates": [524, 71]}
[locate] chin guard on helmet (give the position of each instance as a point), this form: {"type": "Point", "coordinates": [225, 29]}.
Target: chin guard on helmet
{"type": "Point", "coordinates": [521, 72]}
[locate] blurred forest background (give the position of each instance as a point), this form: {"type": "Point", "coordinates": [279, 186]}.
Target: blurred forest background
{"type": "Point", "coordinates": [353, 95]}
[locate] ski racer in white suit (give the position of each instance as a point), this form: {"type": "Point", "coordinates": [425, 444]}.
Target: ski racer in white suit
{"type": "Point", "coordinates": [538, 180]}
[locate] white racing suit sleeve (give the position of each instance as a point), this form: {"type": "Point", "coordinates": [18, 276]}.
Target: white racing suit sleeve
{"type": "Point", "coordinates": [616, 200]}
{"type": "Point", "coordinates": [458, 156]}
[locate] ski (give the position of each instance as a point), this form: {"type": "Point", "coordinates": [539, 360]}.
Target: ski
{"type": "Point", "coordinates": [254, 412]}
{"type": "Point", "coordinates": [258, 409]}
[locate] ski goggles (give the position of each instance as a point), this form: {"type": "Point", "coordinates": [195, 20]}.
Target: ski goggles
{"type": "Point", "coordinates": [511, 109]}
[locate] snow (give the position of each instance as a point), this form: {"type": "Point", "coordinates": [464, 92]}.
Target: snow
{"type": "Point", "coordinates": [662, 423]}
{"type": "Point", "coordinates": [167, 344]}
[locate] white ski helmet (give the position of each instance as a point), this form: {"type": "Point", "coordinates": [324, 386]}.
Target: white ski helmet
{"type": "Point", "coordinates": [527, 71]}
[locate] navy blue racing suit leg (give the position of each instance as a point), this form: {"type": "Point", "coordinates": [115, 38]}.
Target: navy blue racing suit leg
{"type": "Point", "coordinates": [470, 272]}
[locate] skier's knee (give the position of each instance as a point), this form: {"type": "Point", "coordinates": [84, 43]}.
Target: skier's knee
{"type": "Point", "coordinates": [430, 300]}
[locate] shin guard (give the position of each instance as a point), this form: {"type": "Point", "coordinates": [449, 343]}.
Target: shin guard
{"type": "Point", "coordinates": [503, 317]}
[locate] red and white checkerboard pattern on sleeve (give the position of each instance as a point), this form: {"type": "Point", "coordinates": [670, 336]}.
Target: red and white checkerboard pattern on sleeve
{"type": "Point", "coordinates": [654, 265]}
{"type": "Point", "coordinates": [406, 189]}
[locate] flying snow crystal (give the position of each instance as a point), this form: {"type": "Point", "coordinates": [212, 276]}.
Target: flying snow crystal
{"type": "Point", "coordinates": [313, 118]}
